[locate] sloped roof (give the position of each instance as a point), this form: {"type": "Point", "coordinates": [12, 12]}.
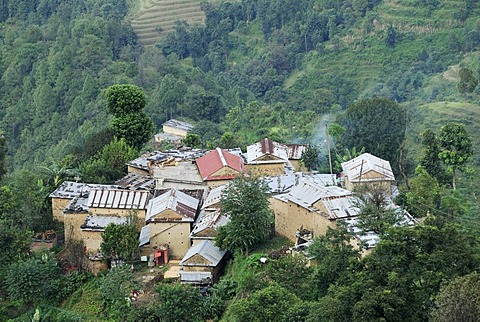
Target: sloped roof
{"type": "Point", "coordinates": [295, 151]}
{"type": "Point", "coordinates": [285, 182]}
{"type": "Point", "coordinates": [144, 237]}
{"type": "Point", "coordinates": [266, 147]}
{"type": "Point", "coordinates": [365, 163]}
{"type": "Point", "coordinates": [217, 159]}
{"type": "Point", "coordinates": [100, 222]}
{"type": "Point", "coordinates": [213, 220]}
{"type": "Point", "coordinates": [214, 196]}
{"type": "Point", "coordinates": [70, 189]}
{"type": "Point", "coordinates": [174, 200]}
{"type": "Point", "coordinates": [207, 250]}
{"type": "Point", "coordinates": [179, 125]}
{"type": "Point", "coordinates": [118, 199]}
{"type": "Point", "coordinates": [193, 277]}
{"type": "Point", "coordinates": [307, 193]}
{"type": "Point", "coordinates": [135, 181]}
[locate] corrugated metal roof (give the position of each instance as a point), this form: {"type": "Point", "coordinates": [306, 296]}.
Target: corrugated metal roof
{"type": "Point", "coordinates": [212, 220]}
{"type": "Point", "coordinates": [364, 163]}
{"type": "Point", "coordinates": [214, 196]}
{"type": "Point", "coordinates": [206, 249]}
{"type": "Point", "coordinates": [179, 124]}
{"type": "Point", "coordinates": [118, 199]}
{"type": "Point", "coordinates": [135, 181]}
{"type": "Point", "coordinates": [307, 193]}
{"type": "Point", "coordinates": [145, 160]}
{"type": "Point", "coordinates": [216, 160]}
{"type": "Point", "coordinates": [266, 147]}
{"type": "Point", "coordinates": [144, 237]}
{"type": "Point", "coordinates": [174, 200]}
{"type": "Point", "coordinates": [70, 189]}
{"type": "Point", "coordinates": [295, 151]}
{"type": "Point", "coordinates": [189, 277]}
{"type": "Point", "coordinates": [100, 222]}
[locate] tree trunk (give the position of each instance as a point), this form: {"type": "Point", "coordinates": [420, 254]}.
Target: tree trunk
{"type": "Point", "coordinates": [454, 186]}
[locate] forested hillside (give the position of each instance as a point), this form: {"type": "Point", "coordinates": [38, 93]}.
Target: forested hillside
{"type": "Point", "coordinates": [301, 62]}
{"type": "Point", "coordinates": [384, 75]}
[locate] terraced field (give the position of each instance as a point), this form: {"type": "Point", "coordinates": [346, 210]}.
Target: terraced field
{"type": "Point", "coordinates": [157, 17]}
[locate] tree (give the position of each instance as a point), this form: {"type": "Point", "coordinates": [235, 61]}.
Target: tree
{"type": "Point", "coordinates": [391, 38]}
{"type": "Point", "coordinates": [336, 258]}
{"type": "Point", "coordinates": [311, 158]}
{"type": "Point", "coordinates": [124, 99]}
{"type": "Point", "coordinates": [273, 303]}
{"type": "Point", "coordinates": [459, 300]}
{"type": "Point", "coordinates": [430, 160]}
{"type": "Point", "coordinates": [115, 287]}
{"type": "Point", "coordinates": [468, 81]}
{"type": "Point", "coordinates": [455, 148]}
{"type": "Point", "coordinates": [171, 307]}
{"type": "Point", "coordinates": [378, 124]}
{"type": "Point", "coordinates": [377, 212]}
{"type": "Point", "coordinates": [192, 140]}
{"type": "Point", "coordinates": [109, 164]}
{"type": "Point", "coordinates": [30, 280]}
{"type": "Point", "coordinates": [246, 204]}
{"type": "Point", "coordinates": [120, 241]}
{"type": "Point", "coordinates": [126, 104]}
{"type": "Point", "coordinates": [424, 194]}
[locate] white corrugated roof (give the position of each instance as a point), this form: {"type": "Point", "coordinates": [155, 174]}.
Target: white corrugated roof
{"type": "Point", "coordinates": [118, 199]}
{"type": "Point", "coordinates": [206, 249]}
{"type": "Point", "coordinates": [214, 196]}
{"type": "Point", "coordinates": [100, 222]}
{"type": "Point", "coordinates": [266, 147]}
{"type": "Point", "coordinates": [70, 189]}
{"type": "Point", "coordinates": [144, 236]}
{"type": "Point", "coordinates": [307, 193]}
{"type": "Point", "coordinates": [364, 163]}
{"type": "Point", "coordinates": [189, 277]}
{"type": "Point", "coordinates": [212, 220]}
{"type": "Point", "coordinates": [175, 200]}
{"type": "Point", "coordinates": [285, 182]}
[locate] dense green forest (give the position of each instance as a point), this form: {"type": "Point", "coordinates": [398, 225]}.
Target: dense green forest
{"type": "Point", "coordinates": [287, 70]}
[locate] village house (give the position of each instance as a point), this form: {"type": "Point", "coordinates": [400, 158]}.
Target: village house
{"type": "Point", "coordinates": [135, 181]}
{"type": "Point", "coordinates": [168, 223]}
{"type": "Point", "coordinates": [267, 158]}
{"type": "Point", "coordinates": [219, 166]}
{"type": "Point", "coordinates": [174, 131]}
{"type": "Point", "coordinates": [206, 226]}
{"type": "Point", "coordinates": [212, 201]}
{"type": "Point", "coordinates": [144, 164]}
{"type": "Point", "coordinates": [295, 153]}
{"type": "Point", "coordinates": [369, 170]}
{"type": "Point", "coordinates": [311, 207]}
{"type": "Point", "coordinates": [202, 264]}
{"type": "Point", "coordinates": [117, 202]}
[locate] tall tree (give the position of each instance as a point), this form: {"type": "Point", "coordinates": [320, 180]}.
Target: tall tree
{"type": "Point", "coordinates": [377, 124]}
{"type": "Point", "coordinates": [246, 203]}
{"type": "Point", "coordinates": [455, 148]}
{"type": "Point", "coordinates": [459, 300]}
{"type": "Point", "coordinates": [126, 103]}
{"type": "Point", "coordinates": [120, 241]}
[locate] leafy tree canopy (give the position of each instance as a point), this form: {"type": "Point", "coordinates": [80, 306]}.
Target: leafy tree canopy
{"type": "Point", "coordinates": [246, 203]}
{"type": "Point", "coordinates": [378, 124]}
{"type": "Point", "coordinates": [124, 99]}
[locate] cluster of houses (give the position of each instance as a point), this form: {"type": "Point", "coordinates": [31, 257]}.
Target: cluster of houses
{"type": "Point", "coordinates": [175, 196]}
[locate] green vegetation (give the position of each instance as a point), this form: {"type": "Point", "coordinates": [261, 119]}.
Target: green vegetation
{"type": "Point", "coordinates": [248, 70]}
{"type": "Point", "coordinates": [251, 219]}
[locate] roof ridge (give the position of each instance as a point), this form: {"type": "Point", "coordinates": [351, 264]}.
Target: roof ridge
{"type": "Point", "coordinates": [222, 157]}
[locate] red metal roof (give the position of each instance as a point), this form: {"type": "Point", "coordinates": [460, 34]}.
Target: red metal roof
{"type": "Point", "coordinates": [267, 146]}
{"type": "Point", "coordinates": [216, 160]}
